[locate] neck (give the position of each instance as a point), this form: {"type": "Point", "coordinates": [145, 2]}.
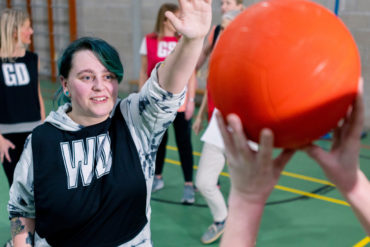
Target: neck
{"type": "Point", "coordinates": [168, 33]}
{"type": "Point", "coordinates": [86, 120]}
{"type": "Point", "coordinates": [19, 52]}
{"type": "Point", "coordinates": [20, 49]}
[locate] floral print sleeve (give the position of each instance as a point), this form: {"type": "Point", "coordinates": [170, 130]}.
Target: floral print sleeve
{"type": "Point", "coordinates": [148, 114]}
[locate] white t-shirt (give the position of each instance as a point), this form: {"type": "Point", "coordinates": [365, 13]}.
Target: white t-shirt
{"type": "Point", "coordinates": [212, 134]}
{"type": "Point", "coordinates": [143, 49]}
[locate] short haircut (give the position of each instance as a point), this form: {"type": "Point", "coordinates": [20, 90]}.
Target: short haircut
{"type": "Point", "coordinates": [103, 51]}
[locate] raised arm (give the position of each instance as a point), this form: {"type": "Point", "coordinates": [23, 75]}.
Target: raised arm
{"type": "Point", "coordinates": [207, 49]}
{"type": "Point", "coordinates": [193, 24]}
{"type": "Point", "coordinates": [341, 163]}
{"type": "Point", "coordinates": [253, 177]}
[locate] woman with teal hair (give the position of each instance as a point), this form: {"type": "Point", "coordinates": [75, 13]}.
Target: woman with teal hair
{"type": "Point", "coordinates": [85, 175]}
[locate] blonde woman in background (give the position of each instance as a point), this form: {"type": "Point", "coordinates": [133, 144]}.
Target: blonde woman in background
{"type": "Point", "coordinates": [21, 103]}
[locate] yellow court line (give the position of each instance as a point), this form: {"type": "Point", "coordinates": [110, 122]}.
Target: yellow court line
{"type": "Point", "coordinates": [363, 242]}
{"type": "Point", "coordinates": [289, 174]}
{"type": "Point", "coordinates": [171, 148]}
{"type": "Point", "coordinates": [175, 149]}
{"type": "Point", "coordinates": [301, 192]}
{"type": "Point", "coordinates": [175, 162]}
{"type": "Point", "coordinates": [279, 187]}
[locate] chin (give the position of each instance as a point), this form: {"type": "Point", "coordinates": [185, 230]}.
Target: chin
{"type": "Point", "coordinates": [102, 114]}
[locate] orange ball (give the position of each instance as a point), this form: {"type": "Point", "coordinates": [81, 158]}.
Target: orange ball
{"type": "Point", "coordinates": [289, 65]}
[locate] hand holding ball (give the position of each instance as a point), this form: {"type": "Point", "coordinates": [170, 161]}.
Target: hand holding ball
{"type": "Point", "coordinates": [289, 65]}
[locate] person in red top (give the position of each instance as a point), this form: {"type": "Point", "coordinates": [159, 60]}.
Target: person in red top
{"type": "Point", "coordinates": [155, 48]}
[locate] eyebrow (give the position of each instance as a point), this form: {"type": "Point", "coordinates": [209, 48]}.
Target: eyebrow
{"type": "Point", "coordinates": [90, 71]}
{"type": "Point", "coordinates": [85, 71]}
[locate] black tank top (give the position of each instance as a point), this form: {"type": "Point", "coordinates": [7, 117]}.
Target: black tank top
{"type": "Point", "coordinates": [89, 186]}
{"type": "Point", "coordinates": [19, 99]}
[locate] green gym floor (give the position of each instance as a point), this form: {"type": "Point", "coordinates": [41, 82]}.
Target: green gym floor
{"type": "Point", "coordinates": [303, 210]}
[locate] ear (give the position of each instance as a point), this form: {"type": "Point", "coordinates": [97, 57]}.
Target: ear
{"type": "Point", "coordinates": [63, 82]}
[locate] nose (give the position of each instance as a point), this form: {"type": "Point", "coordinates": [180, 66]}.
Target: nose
{"type": "Point", "coordinates": [97, 84]}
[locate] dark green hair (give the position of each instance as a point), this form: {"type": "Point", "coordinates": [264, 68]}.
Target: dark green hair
{"type": "Point", "coordinates": [103, 51]}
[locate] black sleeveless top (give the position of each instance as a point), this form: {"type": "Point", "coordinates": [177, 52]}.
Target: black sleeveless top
{"type": "Point", "coordinates": [19, 99]}
{"type": "Point", "coordinates": [89, 186]}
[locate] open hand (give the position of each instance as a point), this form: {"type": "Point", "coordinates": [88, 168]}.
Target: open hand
{"type": "Point", "coordinates": [341, 164]}
{"type": "Point", "coordinates": [253, 174]}
{"type": "Point", "coordinates": [194, 20]}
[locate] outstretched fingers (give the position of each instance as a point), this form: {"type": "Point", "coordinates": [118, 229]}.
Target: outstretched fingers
{"type": "Point", "coordinates": [6, 155]}
{"type": "Point", "coordinates": [234, 138]}
{"type": "Point", "coordinates": [176, 22]}
{"type": "Point", "coordinates": [265, 148]}
{"type": "Point", "coordinates": [347, 135]}
{"type": "Point", "coordinates": [226, 136]}
{"type": "Point", "coordinates": [5, 145]}
{"type": "Point", "coordinates": [357, 117]}
{"type": "Point", "coordinates": [194, 20]}
{"type": "Point", "coordinates": [239, 139]}
{"type": "Point", "coordinates": [225, 132]}
{"type": "Point", "coordinates": [322, 157]}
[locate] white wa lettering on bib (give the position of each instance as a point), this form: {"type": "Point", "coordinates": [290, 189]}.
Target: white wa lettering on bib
{"type": "Point", "coordinates": [79, 159]}
{"type": "Point", "coordinates": [15, 74]}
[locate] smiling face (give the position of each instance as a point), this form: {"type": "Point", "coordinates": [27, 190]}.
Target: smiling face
{"type": "Point", "coordinates": [93, 90]}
